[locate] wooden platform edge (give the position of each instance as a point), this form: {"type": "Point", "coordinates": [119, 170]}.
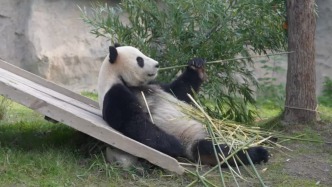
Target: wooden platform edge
{"type": "Point", "coordinates": [83, 121]}
{"type": "Point", "coordinates": [46, 83]}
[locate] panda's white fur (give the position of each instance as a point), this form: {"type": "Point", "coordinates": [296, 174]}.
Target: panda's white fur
{"type": "Point", "coordinates": [128, 69]}
{"type": "Point", "coordinates": [120, 85]}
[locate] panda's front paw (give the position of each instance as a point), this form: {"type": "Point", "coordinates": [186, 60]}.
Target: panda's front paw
{"type": "Point", "coordinates": [196, 63]}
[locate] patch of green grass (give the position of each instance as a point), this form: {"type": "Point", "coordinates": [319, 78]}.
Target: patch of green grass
{"type": "Point", "coordinates": [325, 113]}
{"type": "Point", "coordinates": [91, 95]}
{"type": "Point", "coordinates": [36, 134]}
{"type": "Point", "coordinates": [269, 116]}
{"type": "Point", "coordinates": [267, 113]}
{"type": "Point", "coordinates": [44, 154]}
{"type": "Point", "coordinates": [17, 112]}
{"type": "Point", "coordinates": [43, 167]}
{"type": "Point", "coordinates": [34, 152]}
{"type": "Point", "coordinates": [40, 154]}
{"type": "Point", "coordinates": [4, 106]}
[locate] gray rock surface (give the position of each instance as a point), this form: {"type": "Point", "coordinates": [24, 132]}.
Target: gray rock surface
{"type": "Point", "coordinates": [324, 41]}
{"type": "Point", "coordinates": [48, 38]}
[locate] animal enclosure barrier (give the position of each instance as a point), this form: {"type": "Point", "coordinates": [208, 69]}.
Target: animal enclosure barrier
{"type": "Point", "coordinates": [74, 110]}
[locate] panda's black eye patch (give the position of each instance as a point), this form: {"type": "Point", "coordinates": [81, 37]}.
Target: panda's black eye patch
{"type": "Point", "coordinates": [140, 61]}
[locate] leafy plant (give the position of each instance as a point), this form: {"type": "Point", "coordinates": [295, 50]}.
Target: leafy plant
{"type": "Point", "coordinates": [326, 96]}
{"type": "Point", "coordinates": [174, 31]}
{"type": "Point", "coordinates": [270, 93]}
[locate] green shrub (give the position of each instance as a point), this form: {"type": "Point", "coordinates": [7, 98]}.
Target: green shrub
{"type": "Point", "coordinates": [174, 31]}
{"type": "Point", "coordinates": [326, 96]}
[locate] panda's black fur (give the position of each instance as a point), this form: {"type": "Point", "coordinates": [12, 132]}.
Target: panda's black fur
{"type": "Point", "coordinates": [125, 74]}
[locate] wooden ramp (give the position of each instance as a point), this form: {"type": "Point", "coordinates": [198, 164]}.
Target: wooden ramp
{"type": "Point", "coordinates": [73, 110]}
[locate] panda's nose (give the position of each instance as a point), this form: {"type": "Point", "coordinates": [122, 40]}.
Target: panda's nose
{"type": "Point", "coordinates": [157, 66]}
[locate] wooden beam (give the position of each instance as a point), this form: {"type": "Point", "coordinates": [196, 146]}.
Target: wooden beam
{"type": "Point", "coordinates": [78, 114]}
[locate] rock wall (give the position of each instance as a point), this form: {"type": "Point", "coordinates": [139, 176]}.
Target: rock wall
{"type": "Point", "coordinates": [15, 46]}
{"type": "Point", "coordinates": [48, 38]}
{"type": "Point", "coordinates": [324, 42]}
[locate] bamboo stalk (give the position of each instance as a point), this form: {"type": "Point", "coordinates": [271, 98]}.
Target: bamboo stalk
{"type": "Point", "coordinates": [255, 170]}
{"type": "Point", "coordinates": [230, 59]}
{"type": "Point", "coordinates": [147, 106]}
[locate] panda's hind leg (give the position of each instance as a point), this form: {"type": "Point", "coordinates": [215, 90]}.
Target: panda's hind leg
{"type": "Point", "coordinates": [204, 151]}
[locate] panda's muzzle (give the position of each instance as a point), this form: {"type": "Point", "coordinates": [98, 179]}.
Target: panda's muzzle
{"type": "Point", "coordinates": [151, 74]}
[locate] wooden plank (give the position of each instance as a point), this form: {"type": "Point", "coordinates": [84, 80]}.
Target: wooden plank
{"type": "Point", "coordinates": [80, 119]}
{"type": "Point", "coordinates": [48, 84]}
{"type": "Point", "coordinates": [65, 98]}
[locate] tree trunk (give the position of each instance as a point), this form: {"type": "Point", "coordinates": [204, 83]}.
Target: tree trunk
{"type": "Point", "coordinates": [301, 102]}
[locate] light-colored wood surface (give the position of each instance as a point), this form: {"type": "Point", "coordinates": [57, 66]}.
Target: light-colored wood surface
{"type": "Point", "coordinates": [45, 83]}
{"type": "Point", "coordinates": [40, 95]}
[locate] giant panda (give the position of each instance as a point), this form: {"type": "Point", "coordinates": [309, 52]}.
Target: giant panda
{"type": "Point", "coordinates": [125, 74]}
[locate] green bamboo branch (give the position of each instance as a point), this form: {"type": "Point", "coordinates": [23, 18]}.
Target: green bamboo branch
{"type": "Point", "coordinates": [230, 59]}
{"type": "Point", "coordinates": [255, 170]}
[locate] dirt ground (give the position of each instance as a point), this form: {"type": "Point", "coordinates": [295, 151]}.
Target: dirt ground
{"type": "Point", "coordinates": [310, 160]}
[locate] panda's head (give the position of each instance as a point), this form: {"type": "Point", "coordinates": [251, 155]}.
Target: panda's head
{"type": "Point", "coordinates": [131, 65]}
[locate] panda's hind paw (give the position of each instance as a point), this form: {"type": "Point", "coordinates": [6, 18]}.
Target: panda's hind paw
{"type": "Point", "coordinates": [196, 63]}
{"type": "Point", "coordinates": [258, 155]}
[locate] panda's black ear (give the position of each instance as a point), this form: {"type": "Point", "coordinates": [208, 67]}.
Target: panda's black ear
{"type": "Point", "coordinates": [117, 45]}
{"type": "Point", "coordinates": [113, 54]}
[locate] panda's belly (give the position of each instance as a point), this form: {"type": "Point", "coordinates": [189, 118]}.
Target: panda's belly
{"type": "Point", "coordinates": [166, 113]}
